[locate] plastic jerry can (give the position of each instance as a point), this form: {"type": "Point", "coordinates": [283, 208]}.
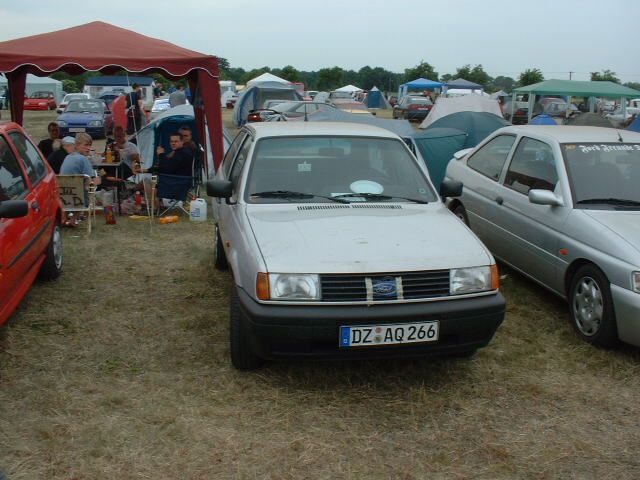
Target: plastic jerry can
{"type": "Point", "coordinates": [198, 210]}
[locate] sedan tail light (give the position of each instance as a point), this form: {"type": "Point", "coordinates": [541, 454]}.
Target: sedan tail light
{"type": "Point", "coordinates": [413, 106]}
{"type": "Point", "coordinates": [254, 117]}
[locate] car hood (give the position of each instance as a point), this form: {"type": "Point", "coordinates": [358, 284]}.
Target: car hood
{"type": "Point", "coordinates": [624, 224]}
{"type": "Point", "coordinates": [336, 238]}
{"type": "Point", "coordinates": [80, 117]}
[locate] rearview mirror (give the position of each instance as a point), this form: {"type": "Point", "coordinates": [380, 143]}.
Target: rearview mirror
{"type": "Point", "coordinates": [544, 197]}
{"type": "Point", "coordinates": [13, 208]}
{"type": "Point", "coordinates": [219, 188]}
{"type": "Point", "coordinates": [450, 188]}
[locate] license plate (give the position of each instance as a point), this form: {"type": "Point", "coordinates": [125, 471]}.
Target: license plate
{"type": "Point", "coordinates": [392, 334]}
{"type": "Point", "coordinates": [76, 130]}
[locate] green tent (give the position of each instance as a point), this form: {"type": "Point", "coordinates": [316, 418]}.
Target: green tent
{"type": "Point", "coordinates": [576, 88]}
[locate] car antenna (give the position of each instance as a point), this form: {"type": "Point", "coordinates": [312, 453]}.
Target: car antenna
{"type": "Point", "coordinates": [619, 136]}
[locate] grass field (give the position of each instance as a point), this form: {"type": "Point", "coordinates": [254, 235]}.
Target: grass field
{"type": "Point", "coordinates": [120, 369]}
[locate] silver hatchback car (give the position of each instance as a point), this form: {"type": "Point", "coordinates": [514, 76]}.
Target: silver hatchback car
{"type": "Point", "coordinates": [340, 247]}
{"type": "Point", "coordinates": [561, 204]}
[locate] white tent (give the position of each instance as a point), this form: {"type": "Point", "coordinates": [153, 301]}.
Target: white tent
{"type": "Point", "coordinates": [266, 77]}
{"type": "Point", "coordinates": [458, 92]}
{"type": "Point", "coordinates": [39, 84]}
{"type": "Point", "coordinates": [349, 88]}
{"type": "Point", "coordinates": [468, 103]}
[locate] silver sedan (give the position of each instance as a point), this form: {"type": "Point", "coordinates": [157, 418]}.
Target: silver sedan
{"type": "Point", "coordinates": [561, 204]}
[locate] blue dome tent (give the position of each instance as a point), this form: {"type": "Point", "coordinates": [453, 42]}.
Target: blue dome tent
{"type": "Point", "coordinates": [375, 99]}
{"type": "Point", "coordinates": [542, 120]}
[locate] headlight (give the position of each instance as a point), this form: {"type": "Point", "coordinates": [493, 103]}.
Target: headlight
{"type": "Point", "coordinates": [635, 280]}
{"type": "Point", "coordinates": [474, 279]}
{"type": "Point", "coordinates": [95, 123]}
{"type": "Point", "coordinates": [62, 123]}
{"type": "Point", "coordinates": [289, 286]}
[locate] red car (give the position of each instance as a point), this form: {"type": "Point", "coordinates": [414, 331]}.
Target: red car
{"type": "Point", "coordinates": [30, 217]}
{"type": "Point", "coordinates": [40, 101]}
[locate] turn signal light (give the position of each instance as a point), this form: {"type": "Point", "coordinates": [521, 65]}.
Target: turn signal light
{"type": "Point", "coordinates": [262, 286]}
{"type": "Point", "coordinates": [495, 277]}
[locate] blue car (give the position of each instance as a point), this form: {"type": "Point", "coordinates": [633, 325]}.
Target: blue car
{"type": "Point", "coordinates": [86, 116]}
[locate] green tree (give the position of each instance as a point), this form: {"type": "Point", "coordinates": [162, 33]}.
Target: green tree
{"type": "Point", "coordinates": [503, 83]}
{"type": "Point", "coordinates": [289, 73]}
{"type": "Point", "coordinates": [529, 77]}
{"type": "Point", "coordinates": [446, 77]}
{"type": "Point", "coordinates": [377, 77]}
{"type": "Point", "coordinates": [422, 70]}
{"type": "Point", "coordinates": [69, 86]}
{"type": "Point", "coordinates": [634, 85]}
{"type": "Point", "coordinates": [330, 78]}
{"type": "Point", "coordinates": [605, 75]}
{"type": "Point", "coordinates": [475, 74]}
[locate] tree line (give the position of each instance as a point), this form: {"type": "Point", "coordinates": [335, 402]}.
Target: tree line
{"type": "Point", "coordinates": [326, 79]}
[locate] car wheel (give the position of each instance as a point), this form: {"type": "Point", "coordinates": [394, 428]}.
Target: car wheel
{"type": "Point", "coordinates": [242, 357]}
{"type": "Point", "coordinates": [461, 213]}
{"type": "Point", "coordinates": [219, 257]}
{"type": "Point", "coordinates": [591, 307]}
{"type": "Point", "coordinates": [52, 265]}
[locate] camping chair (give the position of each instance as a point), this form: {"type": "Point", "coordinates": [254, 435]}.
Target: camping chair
{"type": "Point", "coordinates": [76, 198]}
{"type": "Point", "coordinates": [175, 188]}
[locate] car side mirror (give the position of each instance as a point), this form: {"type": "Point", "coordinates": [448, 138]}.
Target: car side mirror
{"type": "Point", "coordinates": [14, 208]}
{"type": "Point", "coordinates": [460, 154]}
{"type": "Point", "coordinates": [450, 188]}
{"type": "Point", "coordinates": [58, 110]}
{"type": "Point", "coordinates": [544, 197]}
{"type": "Point", "coordinates": [219, 188]}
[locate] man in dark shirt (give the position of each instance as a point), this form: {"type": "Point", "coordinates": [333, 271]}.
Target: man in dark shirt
{"type": "Point", "coordinates": [46, 145]}
{"type": "Point", "coordinates": [177, 162]}
{"type": "Point", "coordinates": [134, 109]}
{"type": "Point", "coordinates": [57, 156]}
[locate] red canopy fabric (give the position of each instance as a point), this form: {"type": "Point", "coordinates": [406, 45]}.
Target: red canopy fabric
{"type": "Point", "coordinates": [99, 46]}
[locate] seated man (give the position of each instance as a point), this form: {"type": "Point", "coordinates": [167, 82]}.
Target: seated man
{"type": "Point", "coordinates": [77, 163]}
{"type": "Point", "coordinates": [48, 145]}
{"type": "Point", "coordinates": [57, 157]}
{"type": "Point", "coordinates": [129, 152]}
{"type": "Point", "coordinates": [178, 162]}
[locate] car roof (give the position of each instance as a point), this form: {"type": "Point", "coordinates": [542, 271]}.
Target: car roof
{"type": "Point", "coordinates": [572, 134]}
{"type": "Point", "coordinates": [337, 129]}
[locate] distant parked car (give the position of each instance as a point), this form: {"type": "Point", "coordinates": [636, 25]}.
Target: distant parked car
{"type": "Point", "coordinates": [561, 204]}
{"type": "Point", "coordinates": [341, 248]}
{"type": "Point", "coordinates": [109, 97]}
{"type": "Point", "coordinates": [520, 112]}
{"type": "Point", "coordinates": [40, 101]}
{"type": "Point", "coordinates": [30, 218]}
{"type": "Point", "coordinates": [69, 97]}
{"type": "Point", "coordinates": [231, 101]}
{"type": "Point", "coordinates": [88, 116]}
{"type": "Point", "coordinates": [411, 107]}
{"type": "Point", "coordinates": [287, 110]}
{"type": "Point", "coordinates": [3, 98]}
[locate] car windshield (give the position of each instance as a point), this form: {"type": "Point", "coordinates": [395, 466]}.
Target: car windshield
{"type": "Point", "coordinates": [378, 169]}
{"type": "Point", "coordinates": [40, 95]}
{"type": "Point", "coordinates": [604, 175]}
{"type": "Point", "coordinates": [80, 106]}
{"type": "Point", "coordinates": [70, 98]}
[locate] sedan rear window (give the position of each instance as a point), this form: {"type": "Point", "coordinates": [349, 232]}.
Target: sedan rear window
{"type": "Point", "coordinates": [335, 166]}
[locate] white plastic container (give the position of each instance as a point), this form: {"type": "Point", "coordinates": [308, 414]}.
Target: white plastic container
{"type": "Point", "coordinates": [198, 210]}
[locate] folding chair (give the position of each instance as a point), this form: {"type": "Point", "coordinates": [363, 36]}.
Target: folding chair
{"type": "Point", "coordinates": [76, 198]}
{"type": "Point", "coordinates": [175, 188]}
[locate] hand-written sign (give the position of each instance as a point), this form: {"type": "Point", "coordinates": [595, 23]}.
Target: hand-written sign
{"type": "Point", "coordinates": [71, 191]}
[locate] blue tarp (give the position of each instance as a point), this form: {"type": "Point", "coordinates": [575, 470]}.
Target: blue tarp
{"type": "Point", "coordinates": [635, 125]}
{"type": "Point", "coordinates": [418, 84]}
{"type": "Point", "coordinates": [254, 97]}
{"type": "Point", "coordinates": [542, 120]}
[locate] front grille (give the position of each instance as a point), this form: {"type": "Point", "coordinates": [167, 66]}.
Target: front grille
{"type": "Point", "coordinates": [384, 286]}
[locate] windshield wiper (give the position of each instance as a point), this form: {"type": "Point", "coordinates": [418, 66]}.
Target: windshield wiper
{"type": "Point", "coordinates": [291, 194]}
{"type": "Point", "coordinates": [610, 201]}
{"type": "Point", "coordinates": [379, 196]}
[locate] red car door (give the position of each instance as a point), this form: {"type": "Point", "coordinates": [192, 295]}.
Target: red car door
{"type": "Point", "coordinates": [19, 249]}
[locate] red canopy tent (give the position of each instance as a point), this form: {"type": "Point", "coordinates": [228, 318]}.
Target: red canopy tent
{"type": "Point", "coordinates": [99, 46]}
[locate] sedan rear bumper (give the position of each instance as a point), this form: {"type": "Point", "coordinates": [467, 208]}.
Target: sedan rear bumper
{"type": "Point", "coordinates": [313, 330]}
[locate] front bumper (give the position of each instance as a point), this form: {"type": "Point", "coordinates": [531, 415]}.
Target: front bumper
{"type": "Point", "coordinates": [313, 330]}
{"type": "Point", "coordinates": [36, 107]}
{"type": "Point", "coordinates": [626, 304]}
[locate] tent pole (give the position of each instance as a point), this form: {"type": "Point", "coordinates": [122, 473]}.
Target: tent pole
{"type": "Point", "coordinates": [16, 83]}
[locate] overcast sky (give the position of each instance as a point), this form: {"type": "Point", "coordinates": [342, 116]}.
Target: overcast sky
{"type": "Point", "coordinates": [505, 36]}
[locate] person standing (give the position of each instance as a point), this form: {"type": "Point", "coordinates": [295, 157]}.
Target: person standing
{"type": "Point", "coordinates": [134, 109]}
{"type": "Point", "coordinates": [178, 97]}
{"type": "Point", "coordinates": [46, 146]}
{"type": "Point", "coordinates": [57, 156]}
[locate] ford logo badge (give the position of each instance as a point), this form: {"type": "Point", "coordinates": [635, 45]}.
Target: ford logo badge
{"type": "Point", "coordinates": [385, 287]}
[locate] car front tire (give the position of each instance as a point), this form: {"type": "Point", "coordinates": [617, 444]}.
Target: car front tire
{"type": "Point", "coordinates": [52, 265]}
{"type": "Point", "coordinates": [242, 356]}
{"type": "Point", "coordinates": [591, 306]}
{"type": "Point", "coordinates": [219, 257]}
